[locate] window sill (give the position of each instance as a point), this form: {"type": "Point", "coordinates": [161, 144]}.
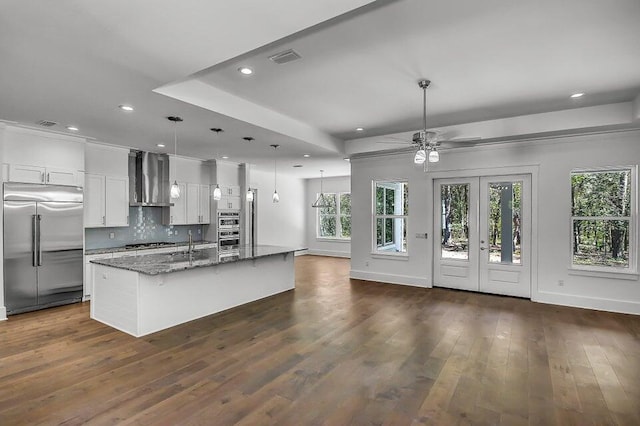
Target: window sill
{"type": "Point", "coordinates": [333, 240]}
{"type": "Point", "coordinates": [390, 256]}
{"type": "Point", "coordinates": [618, 275]}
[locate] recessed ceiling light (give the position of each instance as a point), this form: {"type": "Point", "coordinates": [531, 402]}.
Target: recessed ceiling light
{"type": "Point", "coordinates": [125, 107]}
{"type": "Point", "coordinates": [347, 159]}
{"type": "Point", "coordinates": [245, 70]}
{"type": "Point", "coordinates": [160, 145]}
{"type": "Point", "coordinates": [306, 155]}
{"type": "Point", "coordinates": [224, 157]}
{"type": "Point", "coordinates": [577, 95]}
{"type": "Point", "coordinates": [72, 128]}
{"type": "Point", "coordinates": [359, 129]}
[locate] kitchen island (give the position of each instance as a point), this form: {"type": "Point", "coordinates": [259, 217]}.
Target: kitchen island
{"type": "Point", "coordinates": [147, 293]}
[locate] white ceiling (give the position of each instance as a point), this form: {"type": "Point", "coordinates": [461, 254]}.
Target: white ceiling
{"type": "Point", "coordinates": [74, 62]}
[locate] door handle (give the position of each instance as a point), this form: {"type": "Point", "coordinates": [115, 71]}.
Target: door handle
{"type": "Point", "coordinates": [48, 177]}
{"type": "Point", "coordinates": [38, 218]}
{"type": "Point", "coordinates": [104, 220]}
{"type": "Point", "coordinates": [127, 219]}
{"type": "Point", "coordinates": [483, 248]}
{"type": "Point", "coordinates": [34, 241]}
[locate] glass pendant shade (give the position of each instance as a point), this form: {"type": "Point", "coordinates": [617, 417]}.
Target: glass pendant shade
{"type": "Point", "coordinates": [217, 193]}
{"type": "Point", "coordinates": [434, 157]}
{"type": "Point", "coordinates": [250, 196]}
{"type": "Point", "coordinates": [420, 156]}
{"type": "Point", "coordinates": [175, 190]}
{"type": "Point", "coordinates": [276, 197]}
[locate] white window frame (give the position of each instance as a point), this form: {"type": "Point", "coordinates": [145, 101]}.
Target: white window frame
{"type": "Point", "coordinates": [633, 228]}
{"type": "Point", "coordinates": [338, 215]}
{"type": "Point", "coordinates": [374, 243]}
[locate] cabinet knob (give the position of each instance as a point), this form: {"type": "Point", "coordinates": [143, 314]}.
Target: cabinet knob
{"type": "Point", "coordinates": [48, 177]}
{"type": "Point", "coordinates": [171, 219]}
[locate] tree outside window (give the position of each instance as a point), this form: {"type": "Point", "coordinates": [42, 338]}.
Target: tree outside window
{"type": "Point", "coordinates": [603, 219]}
{"type": "Point", "coordinates": [390, 218]}
{"type": "Point", "coordinates": [334, 221]}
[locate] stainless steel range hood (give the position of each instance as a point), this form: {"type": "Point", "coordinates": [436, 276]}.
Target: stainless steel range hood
{"type": "Point", "coordinates": [149, 179]}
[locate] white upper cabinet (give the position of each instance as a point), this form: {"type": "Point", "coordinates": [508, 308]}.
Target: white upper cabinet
{"type": "Point", "coordinates": [205, 204]}
{"type": "Point", "coordinates": [116, 201]}
{"type": "Point", "coordinates": [106, 201]}
{"type": "Point", "coordinates": [193, 208]}
{"type": "Point", "coordinates": [35, 156]}
{"type": "Point", "coordinates": [94, 201]}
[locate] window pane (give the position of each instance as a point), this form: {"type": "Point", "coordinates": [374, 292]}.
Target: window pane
{"type": "Point", "coordinates": [504, 222]}
{"type": "Point", "coordinates": [330, 199]}
{"type": "Point", "coordinates": [379, 199]}
{"type": "Point", "coordinates": [391, 235]}
{"type": "Point", "coordinates": [345, 204]}
{"type": "Point", "coordinates": [601, 243]}
{"type": "Point", "coordinates": [389, 201]}
{"type": "Point", "coordinates": [601, 193]}
{"type": "Point", "coordinates": [345, 223]}
{"type": "Point", "coordinates": [327, 226]}
{"type": "Point", "coordinates": [454, 200]}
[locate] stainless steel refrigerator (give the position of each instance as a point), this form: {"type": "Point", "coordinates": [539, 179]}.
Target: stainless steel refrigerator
{"type": "Point", "coordinates": [43, 254]}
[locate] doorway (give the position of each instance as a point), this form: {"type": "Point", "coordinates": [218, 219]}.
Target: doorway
{"type": "Point", "coordinates": [484, 229]}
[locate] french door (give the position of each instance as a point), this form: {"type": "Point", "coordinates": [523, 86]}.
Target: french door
{"type": "Point", "coordinates": [484, 229]}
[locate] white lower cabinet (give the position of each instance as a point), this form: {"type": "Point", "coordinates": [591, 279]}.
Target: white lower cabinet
{"type": "Point", "coordinates": [106, 201]}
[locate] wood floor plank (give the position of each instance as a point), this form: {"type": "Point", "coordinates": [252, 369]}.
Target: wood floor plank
{"type": "Point", "coordinates": [334, 351]}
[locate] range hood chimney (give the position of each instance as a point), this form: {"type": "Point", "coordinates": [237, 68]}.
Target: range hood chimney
{"type": "Point", "coordinates": [148, 179]}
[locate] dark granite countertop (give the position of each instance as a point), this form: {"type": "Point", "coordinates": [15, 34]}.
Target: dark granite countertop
{"type": "Point", "coordinates": [125, 249]}
{"type": "Point", "coordinates": [153, 264]}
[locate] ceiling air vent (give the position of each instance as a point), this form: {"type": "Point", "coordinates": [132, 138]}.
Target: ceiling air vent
{"type": "Point", "coordinates": [46, 123]}
{"type": "Point", "coordinates": [284, 57]}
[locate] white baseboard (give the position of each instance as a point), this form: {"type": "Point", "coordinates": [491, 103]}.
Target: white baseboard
{"type": "Point", "coordinates": [390, 278]}
{"type": "Point", "coordinates": [3, 313]}
{"type": "Point", "coordinates": [330, 253]}
{"type": "Point", "coordinates": [610, 305]}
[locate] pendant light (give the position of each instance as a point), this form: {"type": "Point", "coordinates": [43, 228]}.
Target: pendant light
{"type": "Point", "coordinates": [217, 192]}
{"type": "Point", "coordinates": [175, 189]}
{"type": "Point", "coordinates": [321, 202]}
{"type": "Point", "coordinates": [276, 197]}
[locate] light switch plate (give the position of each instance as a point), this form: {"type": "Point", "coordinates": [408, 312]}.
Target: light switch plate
{"type": "Point", "coordinates": [112, 235]}
{"type": "Point", "coordinates": [422, 235]}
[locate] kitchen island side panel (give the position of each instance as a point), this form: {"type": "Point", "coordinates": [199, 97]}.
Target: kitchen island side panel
{"type": "Point", "coordinates": [117, 293]}
{"type": "Point", "coordinates": [174, 298]}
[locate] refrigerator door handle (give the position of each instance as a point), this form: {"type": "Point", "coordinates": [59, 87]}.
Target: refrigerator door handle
{"type": "Point", "coordinates": [39, 252]}
{"type": "Point", "coordinates": [34, 241]}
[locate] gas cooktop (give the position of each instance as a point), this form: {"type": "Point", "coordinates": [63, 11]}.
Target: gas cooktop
{"type": "Point", "coordinates": [149, 245]}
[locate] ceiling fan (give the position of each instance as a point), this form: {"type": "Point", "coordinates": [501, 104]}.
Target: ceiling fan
{"type": "Point", "coordinates": [426, 141]}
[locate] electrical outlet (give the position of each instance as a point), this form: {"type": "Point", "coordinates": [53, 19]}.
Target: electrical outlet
{"type": "Point", "coordinates": [199, 231]}
{"type": "Point", "coordinates": [112, 235]}
{"type": "Point", "coordinates": [175, 232]}
{"type": "Point", "coordinates": [561, 283]}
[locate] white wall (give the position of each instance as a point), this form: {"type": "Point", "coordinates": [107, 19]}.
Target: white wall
{"type": "Point", "coordinates": [3, 310]}
{"type": "Point", "coordinates": [553, 159]}
{"type": "Point", "coordinates": [319, 246]}
{"type": "Point", "coordinates": [283, 223]}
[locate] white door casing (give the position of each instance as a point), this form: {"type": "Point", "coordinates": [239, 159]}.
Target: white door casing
{"type": "Point", "coordinates": [476, 264]}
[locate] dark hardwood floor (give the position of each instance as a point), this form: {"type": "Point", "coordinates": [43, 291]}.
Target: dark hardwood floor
{"type": "Point", "coordinates": [332, 352]}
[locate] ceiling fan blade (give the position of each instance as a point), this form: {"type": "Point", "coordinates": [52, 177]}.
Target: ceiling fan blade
{"type": "Point", "coordinates": [394, 142]}
{"type": "Point", "coordinates": [461, 142]}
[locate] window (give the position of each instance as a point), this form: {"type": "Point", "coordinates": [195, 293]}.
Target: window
{"type": "Point", "coordinates": [391, 208]}
{"type": "Point", "coordinates": [334, 221]}
{"type": "Point", "coordinates": [603, 219]}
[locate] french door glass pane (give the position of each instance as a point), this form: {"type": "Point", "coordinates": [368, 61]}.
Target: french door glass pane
{"type": "Point", "coordinates": [505, 213]}
{"type": "Point", "coordinates": [454, 237]}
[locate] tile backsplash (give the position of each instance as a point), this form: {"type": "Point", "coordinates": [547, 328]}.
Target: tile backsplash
{"type": "Point", "coordinates": [145, 225]}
